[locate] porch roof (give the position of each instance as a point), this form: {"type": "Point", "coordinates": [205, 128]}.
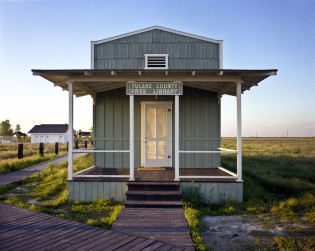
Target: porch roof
{"type": "Point", "coordinates": [90, 82]}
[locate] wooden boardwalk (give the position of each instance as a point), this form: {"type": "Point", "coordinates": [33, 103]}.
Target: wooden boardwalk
{"type": "Point", "coordinates": [22, 229]}
{"type": "Point", "coordinates": [164, 224]}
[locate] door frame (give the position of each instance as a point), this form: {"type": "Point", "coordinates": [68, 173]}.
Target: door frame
{"type": "Point", "coordinates": [169, 125]}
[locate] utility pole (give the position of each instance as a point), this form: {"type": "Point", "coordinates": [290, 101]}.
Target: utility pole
{"type": "Point", "coordinates": [287, 133]}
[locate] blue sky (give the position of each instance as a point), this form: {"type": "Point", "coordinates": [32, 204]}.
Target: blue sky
{"type": "Point", "coordinates": [257, 34]}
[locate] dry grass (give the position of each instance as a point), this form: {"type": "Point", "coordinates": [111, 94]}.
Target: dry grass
{"type": "Point", "coordinates": [10, 150]}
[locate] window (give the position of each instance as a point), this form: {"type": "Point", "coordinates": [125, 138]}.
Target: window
{"type": "Point", "coordinates": [156, 61]}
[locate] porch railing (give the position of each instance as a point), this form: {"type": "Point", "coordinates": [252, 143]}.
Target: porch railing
{"type": "Point", "coordinates": [221, 150]}
{"type": "Point", "coordinates": [78, 174]}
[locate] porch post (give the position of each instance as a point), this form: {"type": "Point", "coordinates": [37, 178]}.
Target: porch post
{"type": "Point", "coordinates": [70, 132]}
{"type": "Point", "coordinates": [132, 138]}
{"type": "Point", "coordinates": [239, 130]}
{"type": "Point", "coordinates": [176, 138]}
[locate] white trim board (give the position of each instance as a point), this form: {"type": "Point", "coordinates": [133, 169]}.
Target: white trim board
{"type": "Point", "coordinates": [156, 27]}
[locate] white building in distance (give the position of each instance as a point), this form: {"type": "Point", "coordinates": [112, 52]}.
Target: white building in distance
{"type": "Point", "coordinates": [49, 133]}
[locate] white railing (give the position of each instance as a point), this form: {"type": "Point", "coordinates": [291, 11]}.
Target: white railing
{"type": "Point", "coordinates": [222, 150]}
{"type": "Point", "coordinates": [78, 174]}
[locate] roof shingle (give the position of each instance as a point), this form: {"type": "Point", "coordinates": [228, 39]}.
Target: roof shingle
{"type": "Point", "coordinates": [49, 128]}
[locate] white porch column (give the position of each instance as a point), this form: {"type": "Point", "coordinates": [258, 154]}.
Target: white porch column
{"type": "Point", "coordinates": [239, 130]}
{"type": "Point", "coordinates": [176, 138]}
{"type": "Point", "coordinates": [70, 132]}
{"type": "Point", "coordinates": [132, 139]}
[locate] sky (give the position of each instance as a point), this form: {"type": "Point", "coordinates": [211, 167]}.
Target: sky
{"type": "Point", "coordinates": [257, 34]}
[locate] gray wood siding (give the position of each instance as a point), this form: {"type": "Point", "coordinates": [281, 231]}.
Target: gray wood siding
{"type": "Point", "coordinates": [199, 127]}
{"type": "Point", "coordinates": [211, 192]}
{"type": "Point", "coordinates": [216, 192]}
{"type": "Point", "coordinates": [185, 53]}
{"type": "Point", "coordinates": [90, 191]}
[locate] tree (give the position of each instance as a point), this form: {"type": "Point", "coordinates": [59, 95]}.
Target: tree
{"type": "Point", "coordinates": [5, 128]}
{"type": "Point", "coordinates": [17, 128]}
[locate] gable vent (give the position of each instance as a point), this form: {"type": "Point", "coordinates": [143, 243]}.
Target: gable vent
{"type": "Point", "coordinates": [156, 61]}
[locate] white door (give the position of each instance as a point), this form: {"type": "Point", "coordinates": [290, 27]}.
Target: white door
{"type": "Point", "coordinates": [156, 134]}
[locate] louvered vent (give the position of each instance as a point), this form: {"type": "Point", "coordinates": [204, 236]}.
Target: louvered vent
{"type": "Point", "coordinates": [156, 61]}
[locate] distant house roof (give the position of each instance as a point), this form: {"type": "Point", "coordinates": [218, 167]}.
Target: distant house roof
{"type": "Point", "coordinates": [85, 133]}
{"type": "Point", "coordinates": [49, 128]}
{"type": "Point", "coordinates": [19, 134]}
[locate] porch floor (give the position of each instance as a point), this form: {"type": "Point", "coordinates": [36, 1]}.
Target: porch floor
{"type": "Point", "coordinates": [166, 175]}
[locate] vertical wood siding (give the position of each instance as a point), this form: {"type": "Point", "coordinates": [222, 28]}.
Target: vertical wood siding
{"type": "Point", "coordinates": [90, 191]}
{"type": "Point", "coordinates": [184, 52]}
{"type": "Point", "coordinates": [216, 192]}
{"type": "Point", "coordinates": [199, 127]}
{"type": "Point", "coordinates": [211, 192]}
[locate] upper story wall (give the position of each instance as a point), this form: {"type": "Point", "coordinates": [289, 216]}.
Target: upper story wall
{"type": "Point", "coordinates": [185, 53]}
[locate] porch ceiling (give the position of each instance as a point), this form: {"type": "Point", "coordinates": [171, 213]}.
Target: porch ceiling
{"type": "Point", "coordinates": [90, 82]}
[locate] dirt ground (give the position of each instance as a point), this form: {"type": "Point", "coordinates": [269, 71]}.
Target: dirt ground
{"type": "Point", "coordinates": [239, 232]}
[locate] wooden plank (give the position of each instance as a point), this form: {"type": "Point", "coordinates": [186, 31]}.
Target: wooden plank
{"type": "Point", "coordinates": [70, 191]}
{"type": "Point", "coordinates": [239, 192]}
{"type": "Point", "coordinates": [88, 191]}
{"type": "Point", "coordinates": [120, 243]}
{"type": "Point", "coordinates": [94, 191]}
{"type": "Point", "coordinates": [233, 191]}
{"type": "Point", "coordinates": [45, 232]}
{"type": "Point", "coordinates": [100, 190]}
{"type": "Point", "coordinates": [42, 235]}
{"type": "Point", "coordinates": [19, 227]}
{"type": "Point", "coordinates": [69, 240]}
{"type": "Point", "coordinates": [57, 237]}
{"type": "Point", "coordinates": [98, 241]}
{"type": "Point", "coordinates": [142, 245]}
{"type": "Point", "coordinates": [76, 191]}
{"type": "Point", "coordinates": [227, 191]}
{"type": "Point", "coordinates": [221, 191]}
{"type": "Point", "coordinates": [27, 233]}
{"type": "Point", "coordinates": [82, 191]}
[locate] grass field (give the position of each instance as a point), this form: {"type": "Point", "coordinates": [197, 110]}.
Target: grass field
{"type": "Point", "coordinates": [279, 175]}
{"type": "Point", "coordinates": [9, 161]}
{"type": "Point", "coordinates": [10, 150]}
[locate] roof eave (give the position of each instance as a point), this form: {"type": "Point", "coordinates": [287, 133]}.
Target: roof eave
{"type": "Point", "coordinates": [156, 27]}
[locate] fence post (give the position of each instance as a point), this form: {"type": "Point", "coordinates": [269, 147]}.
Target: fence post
{"type": "Point", "coordinates": [76, 144]}
{"type": "Point", "coordinates": [20, 151]}
{"type": "Point", "coordinates": [67, 146]}
{"type": "Point", "coordinates": [56, 148]}
{"type": "Point", "coordinates": [85, 144]}
{"type": "Point", "coordinates": [41, 149]}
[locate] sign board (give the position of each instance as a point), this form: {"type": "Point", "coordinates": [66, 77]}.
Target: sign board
{"type": "Point", "coordinates": [154, 88]}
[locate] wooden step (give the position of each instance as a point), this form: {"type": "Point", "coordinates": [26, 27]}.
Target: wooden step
{"type": "Point", "coordinates": [153, 186]}
{"type": "Point", "coordinates": [153, 204]}
{"type": "Point", "coordinates": [154, 195]}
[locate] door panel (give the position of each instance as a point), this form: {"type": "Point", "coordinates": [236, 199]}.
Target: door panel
{"type": "Point", "coordinates": [157, 134]}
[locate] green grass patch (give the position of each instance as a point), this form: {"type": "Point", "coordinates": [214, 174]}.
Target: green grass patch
{"type": "Point", "coordinates": [193, 217]}
{"type": "Point", "coordinates": [49, 189]}
{"type": "Point", "coordinates": [12, 165]}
